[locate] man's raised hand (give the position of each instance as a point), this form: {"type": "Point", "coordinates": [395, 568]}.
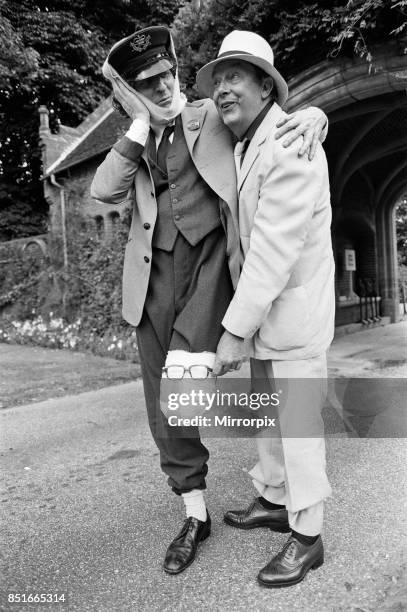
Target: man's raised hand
{"type": "Point", "coordinates": [133, 106]}
{"type": "Point", "coordinates": [311, 123]}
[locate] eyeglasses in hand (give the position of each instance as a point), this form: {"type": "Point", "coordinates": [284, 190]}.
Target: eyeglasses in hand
{"type": "Point", "coordinates": [176, 372]}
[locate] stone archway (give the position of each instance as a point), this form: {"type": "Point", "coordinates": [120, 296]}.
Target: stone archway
{"type": "Point", "coordinates": [387, 249]}
{"type": "Point", "coordinates": [367, 154]}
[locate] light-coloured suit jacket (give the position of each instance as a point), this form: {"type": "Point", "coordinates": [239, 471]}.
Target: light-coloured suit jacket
{"type": "Point", "coordinates": [285, 299]}
{"type": "Point", "coordinates": [119, 179]}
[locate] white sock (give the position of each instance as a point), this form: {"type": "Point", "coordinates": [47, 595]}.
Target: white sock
{"type": "Point", "coordinates": [195, 504]}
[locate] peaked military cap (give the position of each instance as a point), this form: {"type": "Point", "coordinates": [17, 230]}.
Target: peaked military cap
{"type": "Point", "coordinates": [144, 54]}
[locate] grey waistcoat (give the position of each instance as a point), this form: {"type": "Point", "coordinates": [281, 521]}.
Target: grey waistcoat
{"type": "Point", "coordinates": [185, 202]}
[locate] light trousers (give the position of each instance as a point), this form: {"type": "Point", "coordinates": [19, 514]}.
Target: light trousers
{"type": "Point", "coordinates": [291, 466]}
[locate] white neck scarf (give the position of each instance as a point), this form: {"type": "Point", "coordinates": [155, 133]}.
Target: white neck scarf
{"type": "Point", "coordinates": [159, 115]}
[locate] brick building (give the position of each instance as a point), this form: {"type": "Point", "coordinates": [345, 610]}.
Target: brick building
{"type": "Point", "coordinates": [70, 159]}
{"type": "Point", "coordinates": [367, 156]}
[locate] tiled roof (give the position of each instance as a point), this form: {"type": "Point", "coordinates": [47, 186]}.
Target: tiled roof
{"type": "Point", "coordinates": [97, 141]}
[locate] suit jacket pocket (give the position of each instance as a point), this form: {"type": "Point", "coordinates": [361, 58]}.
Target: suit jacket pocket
{"type": "Point", "coordinates": [287, 324]}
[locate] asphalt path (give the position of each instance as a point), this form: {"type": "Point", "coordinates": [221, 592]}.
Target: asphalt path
{"type": "Point", "coordinates": [87, 513]}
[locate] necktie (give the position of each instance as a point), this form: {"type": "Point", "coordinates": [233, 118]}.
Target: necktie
{"type": "Point", "coordinates": [240, 151]}
{"type": "Point", "coordinates": [163, 147]}
{"type": "Point", "coordinates": [245, 145]}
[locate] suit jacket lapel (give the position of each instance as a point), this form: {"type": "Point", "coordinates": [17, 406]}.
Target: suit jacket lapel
{"type": "Point", "coordinates": [193, 118]}
{"type": "Point", "coordinates": [212, 153]}
{"type": "Point", "coordinates": [258, 139]}
{"type": "Point", "coordinates": [192, 121]}
{"type": "Point", "coordinates": [251, 155]}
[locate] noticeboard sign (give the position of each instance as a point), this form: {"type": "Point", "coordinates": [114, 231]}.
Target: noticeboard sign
{"type": "Point", "coordinates": [350, 260]}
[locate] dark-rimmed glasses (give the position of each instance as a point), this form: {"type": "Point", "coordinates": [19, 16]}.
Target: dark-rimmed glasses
{"type": "Point", "coordinates": [198, 371]}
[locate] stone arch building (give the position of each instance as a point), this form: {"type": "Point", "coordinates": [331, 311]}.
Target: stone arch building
{"type": "Point", "coordinates": [367, 155]}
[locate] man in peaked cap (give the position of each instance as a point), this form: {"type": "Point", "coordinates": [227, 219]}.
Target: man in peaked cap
{"type": "Point", "coordinates": [182, 256]}
{"type": "Point", "coordinates": [284, 301]}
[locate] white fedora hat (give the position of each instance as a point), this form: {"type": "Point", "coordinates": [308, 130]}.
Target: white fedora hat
{"type": "Point", "coordinates": [249, 47]}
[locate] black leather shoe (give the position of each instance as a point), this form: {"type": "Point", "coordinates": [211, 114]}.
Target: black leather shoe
{"type": "Point", "coordinates": [291, 564]}
{"type": "Point", "coordinates": [258, 516]}
{"type": "Point", "coordinates": [181, 552]}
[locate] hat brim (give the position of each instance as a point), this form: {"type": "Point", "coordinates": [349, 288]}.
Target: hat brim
{"type": "Point", "coordinates": [204, 75]}
{"type": "Point", "coordinates": [161, 65]}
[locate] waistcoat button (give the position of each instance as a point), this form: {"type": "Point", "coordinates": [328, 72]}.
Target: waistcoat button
{"type": "Point", "coordinates": [146, 259]}
{"type": "Point", "coordinates": [146, 226]}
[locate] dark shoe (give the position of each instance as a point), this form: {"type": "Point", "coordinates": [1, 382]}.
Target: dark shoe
{"type": "Point", "coordinates": [291, 564]}
{"type": "Point", "coordinates": [258, 516]}
{"type": "Point", "coordinates": [181, 552]}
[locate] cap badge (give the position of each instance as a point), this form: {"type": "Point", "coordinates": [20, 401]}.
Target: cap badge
{"type": "Point", "coordinates": [140, 42]}
{"type": "Point", "coordinates": [193, 125]}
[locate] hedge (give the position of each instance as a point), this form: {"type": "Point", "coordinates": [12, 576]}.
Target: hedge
{"type": "Point", "coordinates": [78, 307]}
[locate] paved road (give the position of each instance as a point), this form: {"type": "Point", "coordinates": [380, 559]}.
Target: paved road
{"type": "Point", "coordinates": [31, 374]}
{"type": "Point", "coordinates": [87, 511]}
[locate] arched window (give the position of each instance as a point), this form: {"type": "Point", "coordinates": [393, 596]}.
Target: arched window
{"type": "Point", "coordinates": [114, 216]}
{"type": "Point", "coordinates": [114, 219]}
{"type": "Point", "coordinates": [100, 226]}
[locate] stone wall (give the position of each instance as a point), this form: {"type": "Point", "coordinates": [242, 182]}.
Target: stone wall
{"type": "Point", "coordinates": [76, 184]}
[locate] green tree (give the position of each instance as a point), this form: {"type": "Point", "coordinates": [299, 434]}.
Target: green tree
{"type": "Point", "coordinates": [51, 53]}
{"type": "Point", "coordinates": [301, 32]}
{"type": "Point", "coordinates": [401, 231]}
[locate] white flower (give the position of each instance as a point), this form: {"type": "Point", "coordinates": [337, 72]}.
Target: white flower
{"type": "Point", "coordinates": [56, 323]}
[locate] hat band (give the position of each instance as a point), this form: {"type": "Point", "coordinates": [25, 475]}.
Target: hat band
{"type": "Point", "coordinates": [226, 53]}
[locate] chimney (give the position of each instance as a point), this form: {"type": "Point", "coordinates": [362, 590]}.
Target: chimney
{"type": "Point", "coordinates": [44, 121]}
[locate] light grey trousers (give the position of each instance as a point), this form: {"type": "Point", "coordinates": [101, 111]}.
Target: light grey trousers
{"type": "Point", "coordinates": [291, 467]}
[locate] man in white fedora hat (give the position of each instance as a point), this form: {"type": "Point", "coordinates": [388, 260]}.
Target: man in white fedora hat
{"type": "Point", "coordinates": [175, 164]}
{"type": "Point", "coordinates": [284, 301]}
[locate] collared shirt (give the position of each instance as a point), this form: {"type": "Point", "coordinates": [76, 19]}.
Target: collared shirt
{"type": "Point", "coordinates": [249, 133]}
{"type": "Point", "coordinates": [139, 130]}
{"type": "Point", "coordinates": [251, 130]}
{"type": "Point", "coordinates": [158, 133]}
